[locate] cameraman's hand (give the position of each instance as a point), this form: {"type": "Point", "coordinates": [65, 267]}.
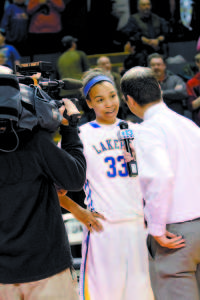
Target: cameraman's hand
{"type": "Point", "coordinates": [70, 107]}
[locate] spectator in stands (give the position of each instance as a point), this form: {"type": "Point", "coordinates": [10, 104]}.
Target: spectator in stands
{"type": "Point", "coordinates": [104, 63]}
{"type": "Point", "coordinates": [15, 24]}
{"type": "Point", "coordinates": [193, 90]}
{"type": "Point", "coordinates": [45, 27]}
{"type": "Point", "coordinates": [173, 87]}
{"type": "Point", "coordinates": [147, 27]}
{"type": "Point", "coordinates": [11, 54]}
{"type": "Point", "coordinates": [136, 57]}
{"type": "Point", "coordinates": [72, 63]}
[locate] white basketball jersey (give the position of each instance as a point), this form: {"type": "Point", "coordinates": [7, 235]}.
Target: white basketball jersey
{"type": "Point", "coordinates": [108, 187]}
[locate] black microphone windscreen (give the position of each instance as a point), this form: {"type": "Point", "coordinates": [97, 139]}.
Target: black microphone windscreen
{"type": "Point", "coordinates": [72, 84]}
{"type": "Point", "coordinates": [123, 125]}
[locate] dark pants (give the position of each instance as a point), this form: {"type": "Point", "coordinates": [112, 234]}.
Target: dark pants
{"type": "Point", "coordinates": [175, 273]}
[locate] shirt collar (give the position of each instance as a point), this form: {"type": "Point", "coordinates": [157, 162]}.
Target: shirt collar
{"type": "Point", "coordinates": [154, 109]}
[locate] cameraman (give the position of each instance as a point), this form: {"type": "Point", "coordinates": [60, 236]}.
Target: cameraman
{"type": "Point", "coordinates": [35, 257]}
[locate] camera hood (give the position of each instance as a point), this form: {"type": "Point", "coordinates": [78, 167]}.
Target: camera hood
{"type": "Point", "coordinates": [10, 97]}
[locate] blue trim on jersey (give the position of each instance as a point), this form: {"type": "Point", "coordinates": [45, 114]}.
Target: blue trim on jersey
{"type": "Point", "coordinates": [119, 122]}
{"type": "Point", "coordinates": [84, 266]}
{"type": "Point", "coordinates": [94, 125]}
{"type": "Point", "coordinates": [88, 192]}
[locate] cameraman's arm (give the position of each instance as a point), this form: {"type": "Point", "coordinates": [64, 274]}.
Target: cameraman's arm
{"type": "Point", "coordinates": [71, 143]}
{"type": "Point", "coordinates": [65, 167]}
{"type": "Point", "coordinates": [70, 140]}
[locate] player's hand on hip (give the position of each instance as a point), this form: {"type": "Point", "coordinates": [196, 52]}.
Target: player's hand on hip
{"type": "Point", "coordinates": [170, 240]}
{"type": "Point", "coordinates": [95, 224]}
{"type": "Point", "coordinates": [90, 219]}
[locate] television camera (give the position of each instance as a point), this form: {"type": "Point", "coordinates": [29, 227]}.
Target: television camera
{"type": "Point", "coordinates": [51, 87]}
{"type": "Point", "coordinates": [31, 102]}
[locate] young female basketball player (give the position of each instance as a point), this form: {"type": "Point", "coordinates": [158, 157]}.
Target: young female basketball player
{"type": "Point", "coordinates": [114, 261]}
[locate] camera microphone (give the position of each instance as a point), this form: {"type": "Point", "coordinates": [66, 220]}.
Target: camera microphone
{"type": "Point", "coordinates": [49, 83]}
{"type": "Point", "coordinates": [72, 84]}
{"type": "Point", "coordinates": [65, 84]}
{"type": "Point", "coordinates": [126, 135]}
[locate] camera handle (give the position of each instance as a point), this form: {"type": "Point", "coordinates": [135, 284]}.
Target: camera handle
{"type": "Point", "coordinates": [72, 119]}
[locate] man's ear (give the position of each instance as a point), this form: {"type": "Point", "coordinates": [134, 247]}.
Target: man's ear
{"type": "Point", "coordinates": [130, 100]}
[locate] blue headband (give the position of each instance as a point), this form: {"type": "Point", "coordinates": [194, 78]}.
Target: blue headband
{"type": "Point", "coordinates": [93, 81]}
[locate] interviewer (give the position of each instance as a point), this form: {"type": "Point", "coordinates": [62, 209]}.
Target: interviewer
{"type": "Point", "coordinates": [167, 150]}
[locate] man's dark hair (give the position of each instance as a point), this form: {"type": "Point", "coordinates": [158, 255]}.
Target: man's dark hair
{"type": "Point", "coordinates": [141, 84]}
{"type": "Point", "coordinates": [155, 55]}
{"type": "Point", "coordinates": [68, 41]}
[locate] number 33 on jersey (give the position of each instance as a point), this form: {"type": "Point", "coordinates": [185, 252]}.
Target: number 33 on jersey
{"type": "Point", "coordinates": [107, 172]}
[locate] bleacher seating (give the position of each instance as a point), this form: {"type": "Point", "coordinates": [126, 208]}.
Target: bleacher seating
{"type": "Point", "coordinates": [186, 49]}
{"type": "Point", "coordinates": [115, 58]}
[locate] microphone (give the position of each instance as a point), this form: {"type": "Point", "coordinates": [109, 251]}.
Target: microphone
{"type": "Point", "coordinates": [49, 83]}
{"type": "Point", "coordinates": [65, 84]}
{"type": "Point", "coordinates": [126, 135]}
{"type": "Point", "coordinates": [71, 84]}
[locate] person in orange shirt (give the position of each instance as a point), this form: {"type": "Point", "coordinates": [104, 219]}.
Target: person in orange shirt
{"type": "Point", "coordinates": [45, 25]}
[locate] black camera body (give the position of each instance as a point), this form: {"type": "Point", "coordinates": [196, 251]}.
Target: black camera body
{"type": "Point", "coordinates": [34, 67]}
{"type": "Point", "coordinates": [31, 102]}
{"type": "Point", "coordinates": [51, 87]}
{"type": "Point", "coordinates": [28, 103]}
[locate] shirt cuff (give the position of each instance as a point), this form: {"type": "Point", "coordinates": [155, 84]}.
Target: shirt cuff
{"type": "Point", "coordinates": [156, 229]}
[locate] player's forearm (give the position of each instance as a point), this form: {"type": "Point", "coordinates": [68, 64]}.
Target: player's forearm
{"type": "Point", "coordinates": [68, 204]}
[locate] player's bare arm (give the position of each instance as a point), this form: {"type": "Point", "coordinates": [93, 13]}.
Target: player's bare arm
{"type": "Point", "coordinates": [86, 217]}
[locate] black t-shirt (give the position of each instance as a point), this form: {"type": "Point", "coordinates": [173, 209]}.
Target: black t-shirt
{"type": "Point", "coordinates": [33, 239]}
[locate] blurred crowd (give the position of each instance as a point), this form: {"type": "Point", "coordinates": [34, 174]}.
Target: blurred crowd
{"type": "Point", "coordinates": [76, 30]}
{"type": "Point", "coordinates": [140, 28]}
{"type": "Point", "coordinates": [100, 26]}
